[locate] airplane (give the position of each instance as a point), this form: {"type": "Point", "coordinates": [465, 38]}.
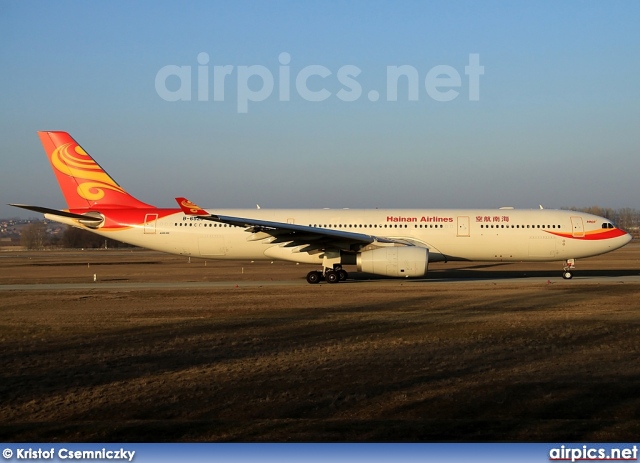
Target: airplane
{"type": "Point", "coordinates": [385, 242]}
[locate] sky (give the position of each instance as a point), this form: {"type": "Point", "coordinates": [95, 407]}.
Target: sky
{"type": "Point", "coordinates": [295, 104]}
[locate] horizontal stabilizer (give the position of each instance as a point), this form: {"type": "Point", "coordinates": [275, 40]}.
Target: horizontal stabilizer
{"type": "Point", "coordinates": [45, 210]}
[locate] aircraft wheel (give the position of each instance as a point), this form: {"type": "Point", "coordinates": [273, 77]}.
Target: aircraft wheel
{"type": "Point", "coordinates": [331, 276]}
{"type": "Point", "coordinates": [313, 277]}
{"type": "Point", "coordinates": [567, 275]}
{"type": "Point", "coordinates": [342, 275]}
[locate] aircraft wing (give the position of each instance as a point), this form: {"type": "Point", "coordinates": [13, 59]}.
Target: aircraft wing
{"type": "Point", "coordinates": [300, 234]}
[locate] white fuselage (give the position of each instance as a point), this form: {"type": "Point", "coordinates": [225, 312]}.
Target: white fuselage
{"type": "Point", "coordinates": [471, 234]}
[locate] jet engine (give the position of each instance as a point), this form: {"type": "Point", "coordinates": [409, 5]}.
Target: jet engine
{"type": "Point", "coordinates": [396, 261]}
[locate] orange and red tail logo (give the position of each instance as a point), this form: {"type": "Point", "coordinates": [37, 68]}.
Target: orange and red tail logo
{"type": "Point", "coordinates": [83, 182]}
{"type": "Point", "coordinates": [190, 208]}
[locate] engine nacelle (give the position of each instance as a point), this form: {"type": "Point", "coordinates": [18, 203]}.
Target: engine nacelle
{"type": "Point", "coordinates": [396, 261]}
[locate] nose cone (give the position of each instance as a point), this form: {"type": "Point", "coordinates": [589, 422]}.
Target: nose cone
{"type": "Point", "coordinates": [622, 238]}
{"type": "Point", "coordinates": [618, 238]}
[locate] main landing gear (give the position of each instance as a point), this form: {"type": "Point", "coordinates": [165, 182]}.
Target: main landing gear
{"type": "Point", "coordinates": [567, 272]}
{"type": "Point", "coordinates": [333, 275]}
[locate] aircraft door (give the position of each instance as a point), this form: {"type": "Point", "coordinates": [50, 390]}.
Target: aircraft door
{"type": "Point", "coordinates": [150, 224]}
{"type": "Point", "coordinates": [463, 226]}
{"type": "Point", "coordinates": [577, 227]}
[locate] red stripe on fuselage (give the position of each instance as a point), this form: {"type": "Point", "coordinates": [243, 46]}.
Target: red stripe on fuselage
{"type": "Point", "coordinates": [592, 235]}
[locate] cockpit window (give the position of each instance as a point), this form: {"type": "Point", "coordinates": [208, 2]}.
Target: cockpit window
{"type": "Point", "coordinates": [607, 225]}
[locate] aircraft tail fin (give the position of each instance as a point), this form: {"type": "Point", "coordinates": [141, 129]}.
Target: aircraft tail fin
{"type": "Point", "coordinates": [83, 182]}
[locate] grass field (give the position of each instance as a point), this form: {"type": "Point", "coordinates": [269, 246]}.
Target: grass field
{"type": "Point", "coordinates": [454, 357]}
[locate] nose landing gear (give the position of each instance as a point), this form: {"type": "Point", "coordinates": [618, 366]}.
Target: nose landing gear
{"type": "Point", "coordinates": [567, 272]}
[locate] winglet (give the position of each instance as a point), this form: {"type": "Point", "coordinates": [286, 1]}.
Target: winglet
{"type": "Point", "coordinates": [190, 208]}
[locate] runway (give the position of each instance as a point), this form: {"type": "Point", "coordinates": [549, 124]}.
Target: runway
{"type": "Point", "coordinates": [129, 286]}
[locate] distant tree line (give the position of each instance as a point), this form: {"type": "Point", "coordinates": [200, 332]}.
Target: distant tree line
{"type": "Point", "coordinates": [34, 236]}
{"type": "Point", "coordinates": [77, 238]}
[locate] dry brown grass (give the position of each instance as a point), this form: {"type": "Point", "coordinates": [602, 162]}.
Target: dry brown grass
{"type": "Point", "coordinates": [370, 361]}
